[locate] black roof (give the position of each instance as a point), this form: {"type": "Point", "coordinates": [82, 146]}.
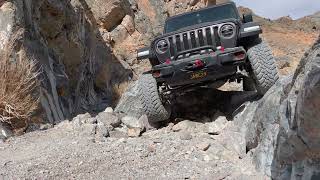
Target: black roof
{"type": "Point", "coordinates": [199, 10]}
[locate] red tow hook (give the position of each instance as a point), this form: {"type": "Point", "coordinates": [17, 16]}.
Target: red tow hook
{"type": "Point", "coordinates": [198, 63]}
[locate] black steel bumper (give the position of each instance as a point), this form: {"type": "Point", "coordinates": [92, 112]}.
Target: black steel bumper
{"type": "Point", "coordinates": [210, 66]}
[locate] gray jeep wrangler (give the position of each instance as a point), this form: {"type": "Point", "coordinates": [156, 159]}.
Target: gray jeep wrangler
{"type": "Point", "coordinates": [204, 48]}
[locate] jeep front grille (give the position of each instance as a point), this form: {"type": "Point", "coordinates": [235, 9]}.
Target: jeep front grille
{"type": "Point", "coordinates": [194, 39]}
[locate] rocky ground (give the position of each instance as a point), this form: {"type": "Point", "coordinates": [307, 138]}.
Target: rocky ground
{"type": "Point", "coordinates": [216, 135]}
{"type": "Point", "coordinates": [186, 150]}
{"type": "Point", "coordinates": [275, 136]}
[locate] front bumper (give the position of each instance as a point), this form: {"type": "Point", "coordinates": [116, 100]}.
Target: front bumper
{"type": "Point", "coordinates": [210, 66]}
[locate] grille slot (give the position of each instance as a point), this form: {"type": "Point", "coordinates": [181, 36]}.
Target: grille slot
{"type": "Point", "coordinates": [201, 39]}
{"type": "Point", "coordinates": [193, 39]}
{"type": "Point", "coordinates": [178, 43]}
{"type": "Point", "coordinates": [172, 49]}
{"type": "Point", "coordinates": [208, 36]}
{"type": "Point", "coordinates": [216, 36]}
{"type": "Point", "coordinates": [185, 41]}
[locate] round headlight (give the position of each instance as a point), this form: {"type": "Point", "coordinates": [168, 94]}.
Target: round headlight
{"type": "Point", "coordinates": [162, 46]}
{"type": "Point", "coordinates": [227, 31]}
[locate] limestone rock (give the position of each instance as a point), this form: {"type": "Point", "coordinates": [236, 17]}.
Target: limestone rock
{"type": "Point", "coordinates": [299, 122]}
{"type": "Point", "coordinates": [132, 122]}
{"type": "Point", "coordinates": [108, 119]}
{"type": "Point", "coordinates": [308, 103]}
{"type": "Point", "coordinates": [281, 129]}
{"type": "Point", "coordinates": [203, 146]}
{"type": "Point", "coordinates": [128, 23]}
{"type": "Point", "coordinates": [210, 2]}
{"type": "Point", "coordinates": [260, 127]}
{"type": "Point", "coordinates": [134, 132]}
{"type": "Point", "coordinates": [148, 125]}
{"type": "Point", "coordinates": [193, 2]}
{"type": "Point", "coordinates": [188, 125]}
{"type": "Point", "coordinates": [156, 13]}
{"type": "Point", "coordinates": [5, 132]}
{"type": "Point", "coordinates": [80, 119]}
{"type": "Point", "coordinates": [119, 34]}
{"type": "Point", "coordinates": [88, 130]}
{"type": "Point", "coordinates": [217, 126]}
{"type": "Point", "coordinates": [108, 110]}
{"type": "Point", "coordinates": [109, 13]}
{"type": "Point", "coordinates": [233, 141]}
{"type": "Point", "coordinates": [185, 135]}
{"type": "Point", "coordinates": [101, 131]}
{"type": "Point", "coordinates": [6, 24]}
{"type": "Point", "coordinates": [129, 103]}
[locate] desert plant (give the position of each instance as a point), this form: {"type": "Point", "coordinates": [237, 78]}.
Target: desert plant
{"type": "Point", "coordinates": [18, 85]}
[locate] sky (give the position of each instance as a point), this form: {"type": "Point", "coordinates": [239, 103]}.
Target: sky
{"type": "Point", "coordinates": [274, 9]}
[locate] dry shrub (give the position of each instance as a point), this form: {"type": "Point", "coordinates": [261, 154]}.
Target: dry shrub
{"type": "Point", "coordinates": [18, 85]}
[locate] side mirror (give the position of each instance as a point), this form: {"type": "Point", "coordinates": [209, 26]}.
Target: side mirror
{"type": "Point", "coordinates": [247, 18]}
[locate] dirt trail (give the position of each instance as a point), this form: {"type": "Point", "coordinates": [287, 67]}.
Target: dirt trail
{"type": "Point", "coordinates": [65, 153]}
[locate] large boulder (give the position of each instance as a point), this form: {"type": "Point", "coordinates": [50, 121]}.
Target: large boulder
{"type": "Point", "coordinates": [109, 14]}
{"type": "Point", "coordinates": [255, 128]}
{"type": "Point", "coordinates": [129, 103]}
{"type": "Point", "coordinates": [298, 140]}
{"type": "Point", "coordinates": [282, 130]}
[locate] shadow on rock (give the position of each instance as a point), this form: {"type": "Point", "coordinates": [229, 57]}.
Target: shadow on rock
{"type": "Point", "coordinates": [208, 102]}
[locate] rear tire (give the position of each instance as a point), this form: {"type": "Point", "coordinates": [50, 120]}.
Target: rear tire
{"type": "Point", "coordinates": [264, 70]}
{"type": "Point", "coordinates": [150, 99]}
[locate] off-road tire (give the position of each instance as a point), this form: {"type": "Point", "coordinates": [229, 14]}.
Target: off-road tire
{"type": "Point", "coordinates": [153, 58]}
{"type": "Point", "coordinates": [264, 70]}
{"type": "Point", "coordinates": [150, 99]}
{"type": "Point", "coordinates": [248, 84]}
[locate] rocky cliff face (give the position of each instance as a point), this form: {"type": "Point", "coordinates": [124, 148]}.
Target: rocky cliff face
{"type": "Point", "coordinates": [80, 72]}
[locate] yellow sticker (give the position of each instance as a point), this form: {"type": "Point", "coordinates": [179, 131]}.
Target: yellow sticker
{"type": "Point", "coordinates": [199, 75]}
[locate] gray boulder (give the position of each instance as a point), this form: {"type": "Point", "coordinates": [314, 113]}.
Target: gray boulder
{"type": "Point", "coordinates": [217, 126]}
{"type": "Point", "coordinates": [129, 103]}
{"type": "Point", "coordinates": [108, 119]}
{"type": "Point", "coordinates": [282, 130]}
{"type": "Point", "coordinates": [5, 132]}
{"type": "Point", "coordinates": [298, 140]}
{"type": "Point", "coordinates": [135, 126]}
{"type": "Point", "coordinates": [132, 122]}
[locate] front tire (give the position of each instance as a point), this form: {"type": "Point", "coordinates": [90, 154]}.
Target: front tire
{"type": "Point", "coordinates": [150, 99]}
{"type": "Point", "coordinates": [264, 70]}
{"type": "Point", "coordinates": [248, 84]}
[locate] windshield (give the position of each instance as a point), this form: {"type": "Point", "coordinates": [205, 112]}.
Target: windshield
{"type": "Point", "coordinates": [206, 15]}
